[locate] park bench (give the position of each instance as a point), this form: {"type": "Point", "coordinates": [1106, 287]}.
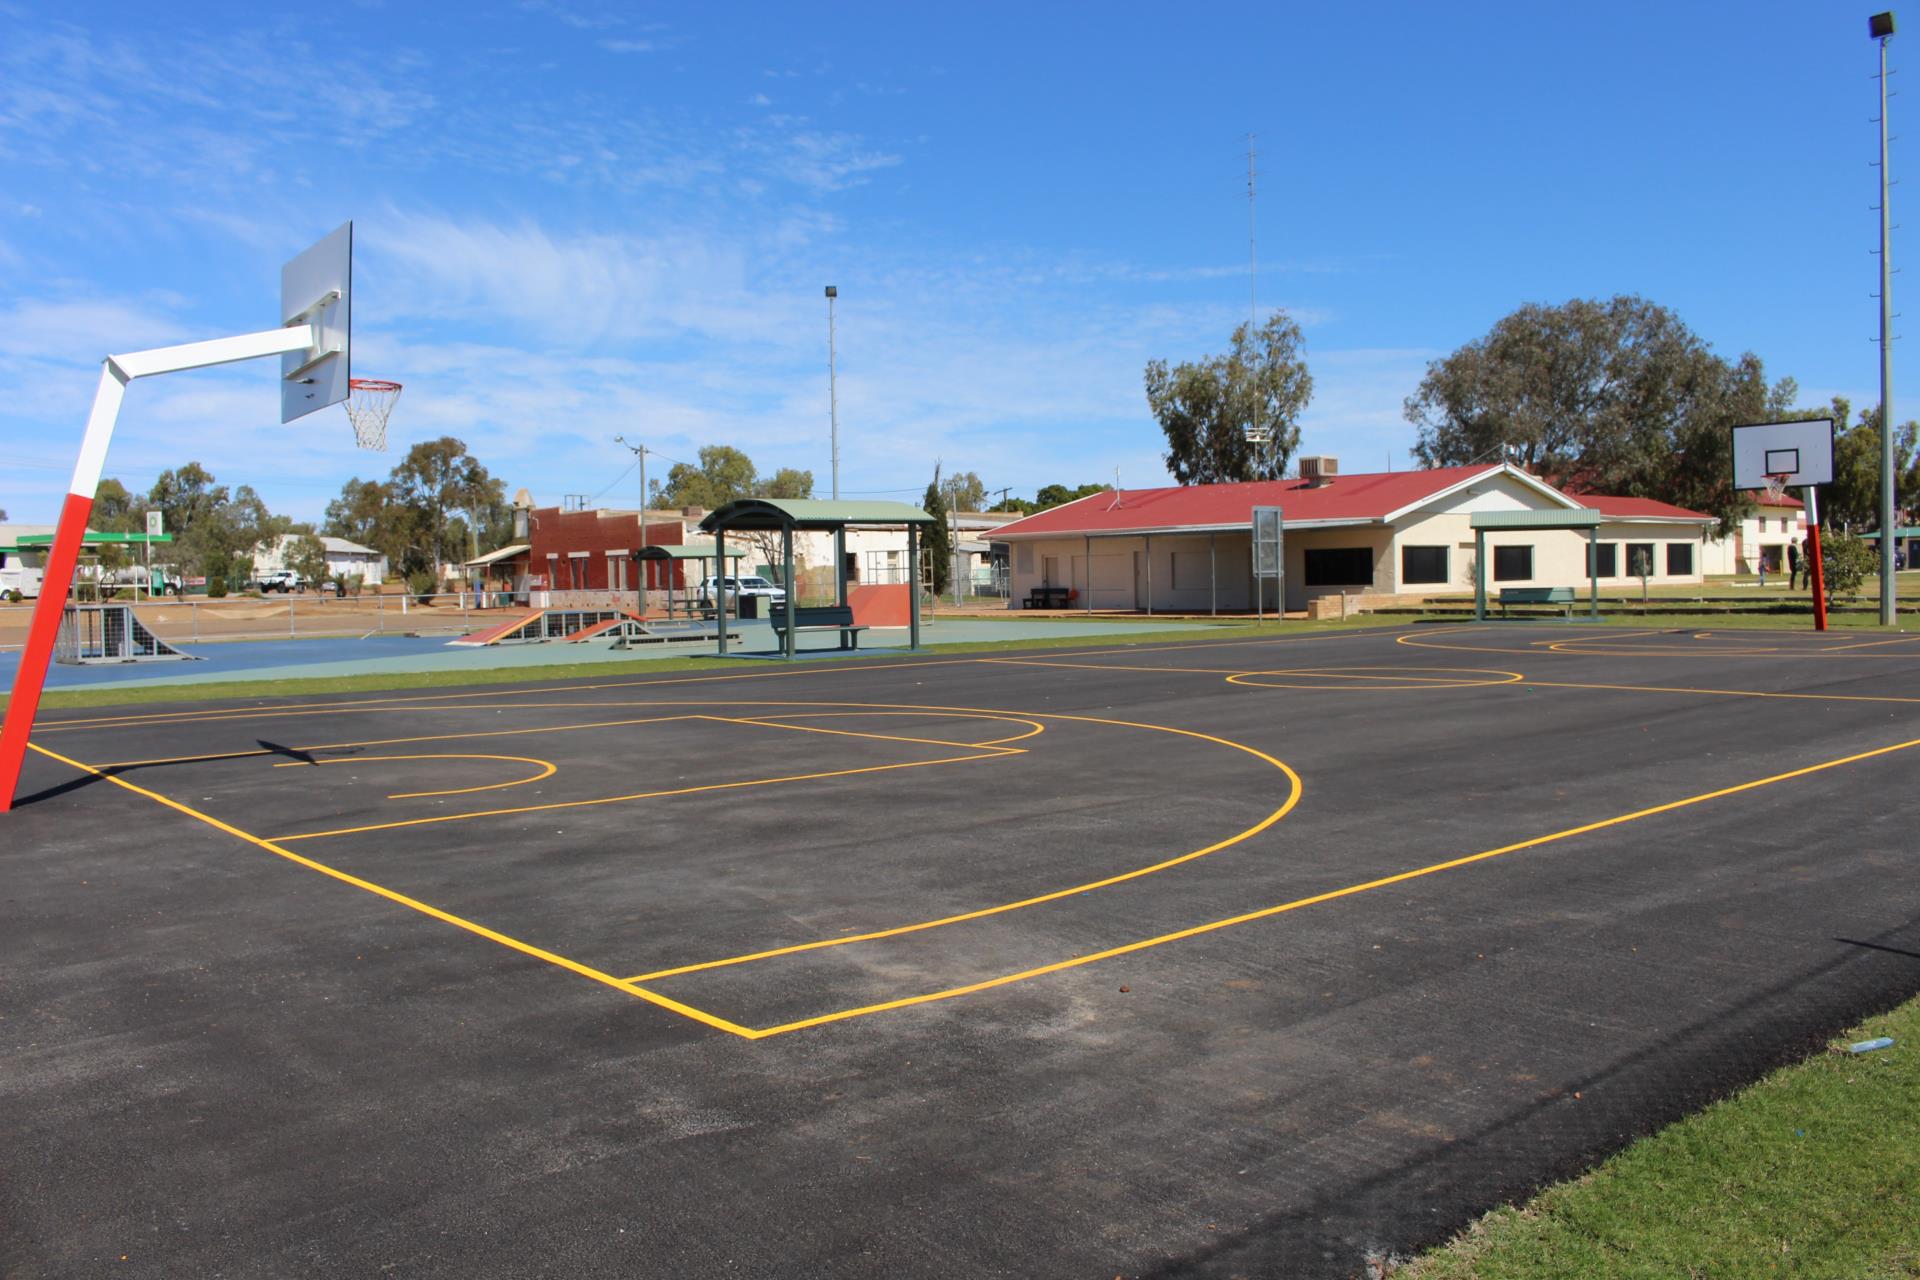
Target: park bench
{"type": "Point", "coordinates": [1049, 597]}
{"type": "Point", "coordinates": [829, 617]}
{"type": "Point", "coordinates": [1537, 595]}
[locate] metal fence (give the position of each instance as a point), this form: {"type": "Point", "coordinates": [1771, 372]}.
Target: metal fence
{"type": "Point", "coordinates": [298, 615]}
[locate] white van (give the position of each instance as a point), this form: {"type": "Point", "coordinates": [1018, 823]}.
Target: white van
{"type": "Point", "coordinates": [22, 571]}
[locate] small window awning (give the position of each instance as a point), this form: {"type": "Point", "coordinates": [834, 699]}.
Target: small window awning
{"type": "Point", "coordinates": [504, 553]}
{"type": "Point", "coordinates": [687, 551]}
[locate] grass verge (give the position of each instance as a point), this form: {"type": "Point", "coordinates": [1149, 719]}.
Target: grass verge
{"type": "Point", "coordinates": [1814, 1171]}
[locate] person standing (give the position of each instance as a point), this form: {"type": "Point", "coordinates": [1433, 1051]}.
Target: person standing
{"type": "Point", "coordinates": [1793, 563]}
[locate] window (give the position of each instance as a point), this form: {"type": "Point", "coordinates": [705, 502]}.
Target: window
{"type": "Point", "coordinates": [1023, 557]}
{"type": "Point", "coordinates": [1606, 560]}
{"type": "Point", "coordinates": [1513, 564]}
{"type": "Point", "coordinates": [1339, 566]}
{"type": "Point", "coordinates": [1640, 560]}
{"type": "Point", "coordinates": [1680, 559]}
{"type": "Point", "coordinates": [1423, 564]}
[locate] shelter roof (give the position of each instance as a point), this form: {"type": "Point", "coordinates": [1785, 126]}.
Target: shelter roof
{"type": "Point", "coordinates": [809, 513]}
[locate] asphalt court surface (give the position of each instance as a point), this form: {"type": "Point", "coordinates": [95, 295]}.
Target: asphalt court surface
{"type": "Point", "coordinates": [1250, 957]}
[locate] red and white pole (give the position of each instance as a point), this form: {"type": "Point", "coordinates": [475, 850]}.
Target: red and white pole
{"type": "Point", "coordinates": [57, 582]}
{"type": "Point", "coordinates": [72, 529]}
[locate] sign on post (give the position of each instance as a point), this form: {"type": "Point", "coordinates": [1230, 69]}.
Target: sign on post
{"type": "Point", "coordinates": [156, 523]}
{"type": "Point", "coordinates": [1269, 557]}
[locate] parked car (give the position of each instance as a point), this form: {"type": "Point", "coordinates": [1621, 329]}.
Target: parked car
{"type": "Point", "coordinates": [282, 580]}
{"type": "Point", "coordinates": [753, 585]}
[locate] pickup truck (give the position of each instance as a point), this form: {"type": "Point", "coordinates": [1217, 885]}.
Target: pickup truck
{"type": "Point", "coordinates": [281, 580]}
{"type": "Point", "coordinates": [753, 585]}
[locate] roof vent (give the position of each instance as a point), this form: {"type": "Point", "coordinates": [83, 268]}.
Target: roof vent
{"type": "Point", "coordinates": [1319, 469]}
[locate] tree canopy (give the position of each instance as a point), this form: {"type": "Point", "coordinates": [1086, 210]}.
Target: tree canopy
{"type": "Point", "coordinates": [1207, 407]}
{"type": "Point", "coordinates": [1852, 501]}
{"type": "Point", "coordinates": [436, 480]}
{"type": "Point", "coordinates": [724, 474]}
{"type": "Point", "coordinates": [1614, 396]}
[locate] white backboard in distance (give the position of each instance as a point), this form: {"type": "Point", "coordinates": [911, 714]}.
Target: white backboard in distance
{"type": "Point", "coordinates": [1801, 451]}
{"type": "Point", "coordinates": [316, 288]}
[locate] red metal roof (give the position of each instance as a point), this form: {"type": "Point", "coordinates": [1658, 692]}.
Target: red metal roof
{"type": "Point", "coordinates": [1637, 508]}
{"type": "Point", "coordinates": [1349, 499]}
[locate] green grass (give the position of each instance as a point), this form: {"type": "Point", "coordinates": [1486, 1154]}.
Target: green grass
{"type": "Point", "coordinates": [1813, 1172]}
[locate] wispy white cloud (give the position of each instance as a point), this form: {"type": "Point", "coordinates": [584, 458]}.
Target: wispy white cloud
{"type": "Point", "coordinates": [629, 46]}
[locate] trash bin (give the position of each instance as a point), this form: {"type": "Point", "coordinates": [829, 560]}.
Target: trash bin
{"type": "Point", "coordinates": [749, 606]}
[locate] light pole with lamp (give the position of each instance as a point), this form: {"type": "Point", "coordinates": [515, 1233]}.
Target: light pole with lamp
{"type": "Point", "coordinates": [1880, 27]}
{"type": "Point", "coordinates": [833, 427]}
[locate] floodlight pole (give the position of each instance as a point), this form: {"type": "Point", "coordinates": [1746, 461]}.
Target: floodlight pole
{"type": "Point", "coordinates": [71, 530]}
{"type": "Point", "coordinates": [1881, 26]}
{"type": "Point", "coordinates": [833, 426]}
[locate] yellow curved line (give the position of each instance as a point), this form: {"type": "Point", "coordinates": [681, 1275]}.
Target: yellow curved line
{"type": "Point", "coordinates": [1400, 681]}
{"type": "Point", "coordinates": [1315, 899]}
{"type": "Point", "coordinates": [1293, 798]}
{"type": "Point", "coordinates": [1033, 729]}
{"type": "Point", "coordinates": [547, 770]}
{"type": "Point", "coordinates": [1589, 646]}
{"type": "Point", "coordinates": [414, 904]}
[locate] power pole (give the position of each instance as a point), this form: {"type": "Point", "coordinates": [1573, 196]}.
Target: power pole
{"type": "Point", "coordinates": [639, 564]}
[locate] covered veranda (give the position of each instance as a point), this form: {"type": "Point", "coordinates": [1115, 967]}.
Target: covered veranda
{"type": "Point", "coordinates": [1509, 521]}
{"type": "Point", "coordinates": [788, 516]}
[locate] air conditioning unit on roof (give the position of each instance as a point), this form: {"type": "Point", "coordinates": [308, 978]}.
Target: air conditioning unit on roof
{"type": "Point", "coordinates": [1319, 469]}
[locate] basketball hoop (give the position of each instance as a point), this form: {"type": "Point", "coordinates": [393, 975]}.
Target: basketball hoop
{"type": "Point", "coordinates": [368, 404]}
{"type": "Point", "coordinates": [1777, 486]}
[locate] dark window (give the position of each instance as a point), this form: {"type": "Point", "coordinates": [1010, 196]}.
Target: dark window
{"type": "Point", "coordinates": [1423, 564]}
{"type": "Point", "coordinates": [852, 560]}
{"type": "Point", "coordinates": [1340, 567]}
{"type": "Point", "coordinates": [1640, 559]}
{"type": "Point", "coordinates": [1513, 564]}
{"type": "Point", "coordinates": [1680, 558]}
{"type": "Point", "coordinates": [1606, 560]}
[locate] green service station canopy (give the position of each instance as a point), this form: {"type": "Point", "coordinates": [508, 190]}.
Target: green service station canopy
{"type": "Point", "coordinates": [812, 515]}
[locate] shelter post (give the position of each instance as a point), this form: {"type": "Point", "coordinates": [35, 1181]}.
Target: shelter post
{"type": "Point", "coordinates": [720, 585]}
{"type": "Point", "coordinates": [1089, 559]}
{"type": "Point", "coordinates": [1213, 577]}
{"type": "Point", "coordinates": [1149, 538]}
{"type": "Point", "coordinates": [1593, 573]}
{"type": "Point", "coordinates": [913, 587]}
{"type": "Point", "coordinates": [840, 567]}
{"type": "Point", "coordinates": [1479, 575]}
{"type": "Point", "coordinates": [786, 547]}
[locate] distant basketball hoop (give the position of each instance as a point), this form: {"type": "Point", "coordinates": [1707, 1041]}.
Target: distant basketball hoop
{"type": "Point", "coordinates": [369, 401]}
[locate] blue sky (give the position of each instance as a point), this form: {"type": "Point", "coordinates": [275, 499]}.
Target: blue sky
{"type": "Point", "coordinates": [576, 220]}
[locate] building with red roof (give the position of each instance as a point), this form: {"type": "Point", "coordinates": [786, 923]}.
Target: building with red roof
{"type": "Point", "coordinates": [1395, 533]}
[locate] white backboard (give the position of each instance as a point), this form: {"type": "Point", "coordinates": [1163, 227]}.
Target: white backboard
{"type": "Point", "coordinates": [317, 288]}
{"type": "Point", "coordinates": [1801, 451]}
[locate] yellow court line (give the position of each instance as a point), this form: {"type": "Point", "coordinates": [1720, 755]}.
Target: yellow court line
{"type": "Point", "coordinates": [1589, 651]}
{"type": "Point", "coordinates": [855, 733]}
{"type": "Point", "coordinates": [1329, 896]}
{"type": "Point", "coordinates": [996, 754]}
{"type": "Point", "coordinates": [547, 770]}
{"type": "Point", "coordinates": [1293, 798]}
{"type": "Point", "coordinates": [1871, 644]}
{"type": "Point", "coordinates": [414, 904]}
{"type": "Point", "coordinates": [1033, 729]}
{"type": "Point", "coordinates": [1723, 693]}
{"type": "Point", "coordinates": [395, 742]}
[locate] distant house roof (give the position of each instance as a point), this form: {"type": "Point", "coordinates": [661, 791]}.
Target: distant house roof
{"type": "Point", "coordinates": [343, 547]}
{"type": "Point", "coordinates": [494, 557]}
{"type": "Point", "coordinates": [1379, 497]}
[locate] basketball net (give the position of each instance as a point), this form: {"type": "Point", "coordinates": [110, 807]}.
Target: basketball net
{"type": "Point", "coordinates": [368, 403]}
{"type": "Point", "coordinates": [1777, 487]}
